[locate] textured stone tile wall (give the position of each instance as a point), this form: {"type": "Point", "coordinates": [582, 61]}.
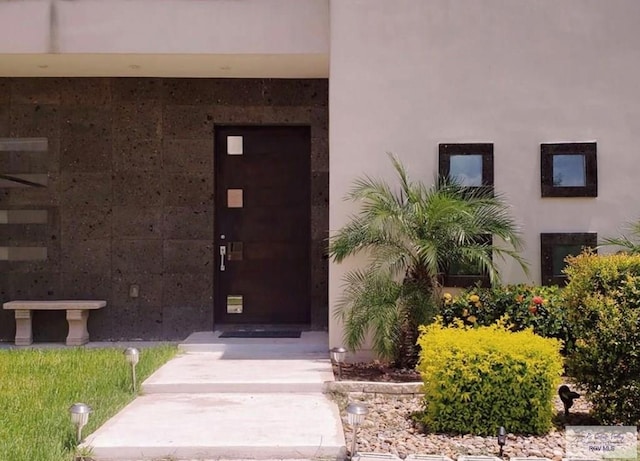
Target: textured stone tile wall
{"type": "Point", "coordinates": [130, 195]}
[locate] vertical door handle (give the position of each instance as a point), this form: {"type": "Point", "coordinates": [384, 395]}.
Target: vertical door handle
{"type": "Point", "coordinates": [223, 252]}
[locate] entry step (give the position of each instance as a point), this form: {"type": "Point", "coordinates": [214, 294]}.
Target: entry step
{"type": "Point", "coordinates": [222, 426]}
{"type": "Point", "coordinates": [311, 344]}
{"type": "Point", "coordinates": [206, 372]}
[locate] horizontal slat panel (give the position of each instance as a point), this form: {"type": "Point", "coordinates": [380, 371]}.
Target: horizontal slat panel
{"type": "Point", "coordinates": [23, 217]}
{"type": "Point", "coordinates": [24, 145]}
{"type": "Point", "coordinates": [23, 253]}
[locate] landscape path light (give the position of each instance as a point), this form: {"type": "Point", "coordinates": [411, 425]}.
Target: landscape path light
{"type": "Point", "coordinates": [502, 438]}
{"type": "Point", "coordinates": [355, 414]}
{"type": "Point", "coordinates": [133, 357]}
{"type": "Point", "coordinates": [338, 355]}
{"type": "Point", "coordinates": [79, 417]}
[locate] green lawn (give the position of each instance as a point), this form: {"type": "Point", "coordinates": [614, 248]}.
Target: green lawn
{"type": "Point", "coordinates": [37, 387]}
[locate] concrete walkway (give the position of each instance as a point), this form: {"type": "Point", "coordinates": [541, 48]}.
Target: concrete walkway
{"type": "Point", "coordinates": [231, 399]}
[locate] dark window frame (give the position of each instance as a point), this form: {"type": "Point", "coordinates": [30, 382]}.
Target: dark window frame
{"type": "Point", "coordinates": [550, 240]}
{"type": "Point", "coordinates": [467, 280]}
{"type": "Point", "coordinates": [588, 150]}
{"type": "Point", "coordinates": [485, 149]}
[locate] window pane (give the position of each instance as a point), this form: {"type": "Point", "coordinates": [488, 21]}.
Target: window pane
{"type": "Point", "coordinates": [466, 169]}
{"type": "Point", "coordinates": [559, 253]}
{"type": "Point", "coordinates": [462, 268]}
{"type": "Point", "coordinates": [569, 171]}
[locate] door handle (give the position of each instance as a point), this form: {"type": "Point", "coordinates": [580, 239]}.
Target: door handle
{"type": "Point", "coordinates": [223, 252]}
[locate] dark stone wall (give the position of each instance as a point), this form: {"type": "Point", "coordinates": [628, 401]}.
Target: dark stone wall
{"type": "Point", "coordinates": [130, 195]}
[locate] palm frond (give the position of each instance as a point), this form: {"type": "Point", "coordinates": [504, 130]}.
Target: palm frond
{"type": "Point", "coordinates": [374, 192]}
{"type": "Point", "coordinates": [393, 259]}
{"type": "Point", "coordinates": [350, 239]}
{"type": "Point", "coordinates": [627, 244]}
{"type": "Point", "coordinates": [406, 187]}
{"type": "Point", "coordinates": [370, 302]}
{"type": "Point", "coordinates": [504, 253]}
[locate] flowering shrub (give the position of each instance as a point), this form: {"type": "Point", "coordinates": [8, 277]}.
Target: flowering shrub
{"type": "Point", "coordinates": [523, 306]}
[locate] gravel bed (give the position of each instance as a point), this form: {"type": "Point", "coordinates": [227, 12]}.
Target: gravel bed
{"type": "Point", "coordinates": [388, 428]}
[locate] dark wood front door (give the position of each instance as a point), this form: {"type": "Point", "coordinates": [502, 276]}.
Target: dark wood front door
{"type": "Point", "coordinates": [262, 224]}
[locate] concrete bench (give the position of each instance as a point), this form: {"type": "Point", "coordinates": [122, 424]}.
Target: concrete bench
{"type": "Point", "coordinates": [77, 315]}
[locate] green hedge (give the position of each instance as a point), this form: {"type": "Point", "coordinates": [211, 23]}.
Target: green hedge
{"type": "Point", "coordinates": [523, 306]}
{"type": "Point", "coordinates": [477, 379]}
{"type": "Point", "coordinates": [603, 307]}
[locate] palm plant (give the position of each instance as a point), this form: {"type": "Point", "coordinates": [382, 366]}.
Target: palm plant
{"type": "Point", "coordinates": [629, 245]}
{"type": "Point", "coordinates": [411, 236]}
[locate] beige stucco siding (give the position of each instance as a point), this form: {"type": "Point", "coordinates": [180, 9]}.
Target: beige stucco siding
{"type": "Point", "coordinates": [407, 75]}
{"type": "Point", "coordinates": [165, 38]}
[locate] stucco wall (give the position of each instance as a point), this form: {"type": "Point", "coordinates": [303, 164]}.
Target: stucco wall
{"type": "Point", "coordinates": [407, 75]}
{"type": "Point", "coordinates": [130, 195]}
{"type": "Point", "coordinates": [165, 38]}
{"type": "Point", "coordinates": [165, 26]}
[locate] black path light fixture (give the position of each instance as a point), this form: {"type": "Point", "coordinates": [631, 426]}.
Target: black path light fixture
{"type": "Point", "coordinates": [133, 357]}
{"type": "Point", "coordinates": [502, 439]}
{"type": "Point", "coordinates": [567, 396]}
{"type": "Point", "coordinates": [338, 355]}
{"type": "Point", "coordinates": [79, 417]}
{"type": "Point", "coordinates": [355, 414]}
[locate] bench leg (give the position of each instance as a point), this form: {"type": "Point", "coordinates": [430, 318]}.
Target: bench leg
{"type": "Point", "coordinates": [78, 333]}
{"type": "Point", "coordinates": [24, 336]}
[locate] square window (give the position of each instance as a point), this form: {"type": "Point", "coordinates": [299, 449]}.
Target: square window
{"type": "Point", "coordinates": [465, 275]}
{"type": "Point", "coordinates": [569, 170]}
{"type": "Point", "coordinates": [556, 247]}
{"type": "Point", "coordinates": [466, 169]}
{"type": "Point", "coordinates": [470, 165]}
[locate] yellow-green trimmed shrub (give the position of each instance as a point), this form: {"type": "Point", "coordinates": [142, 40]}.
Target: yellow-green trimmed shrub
{"type": "Point", "coordinates": [603, 306]}
{"type": "Point", "coordinates": [478, 379]}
